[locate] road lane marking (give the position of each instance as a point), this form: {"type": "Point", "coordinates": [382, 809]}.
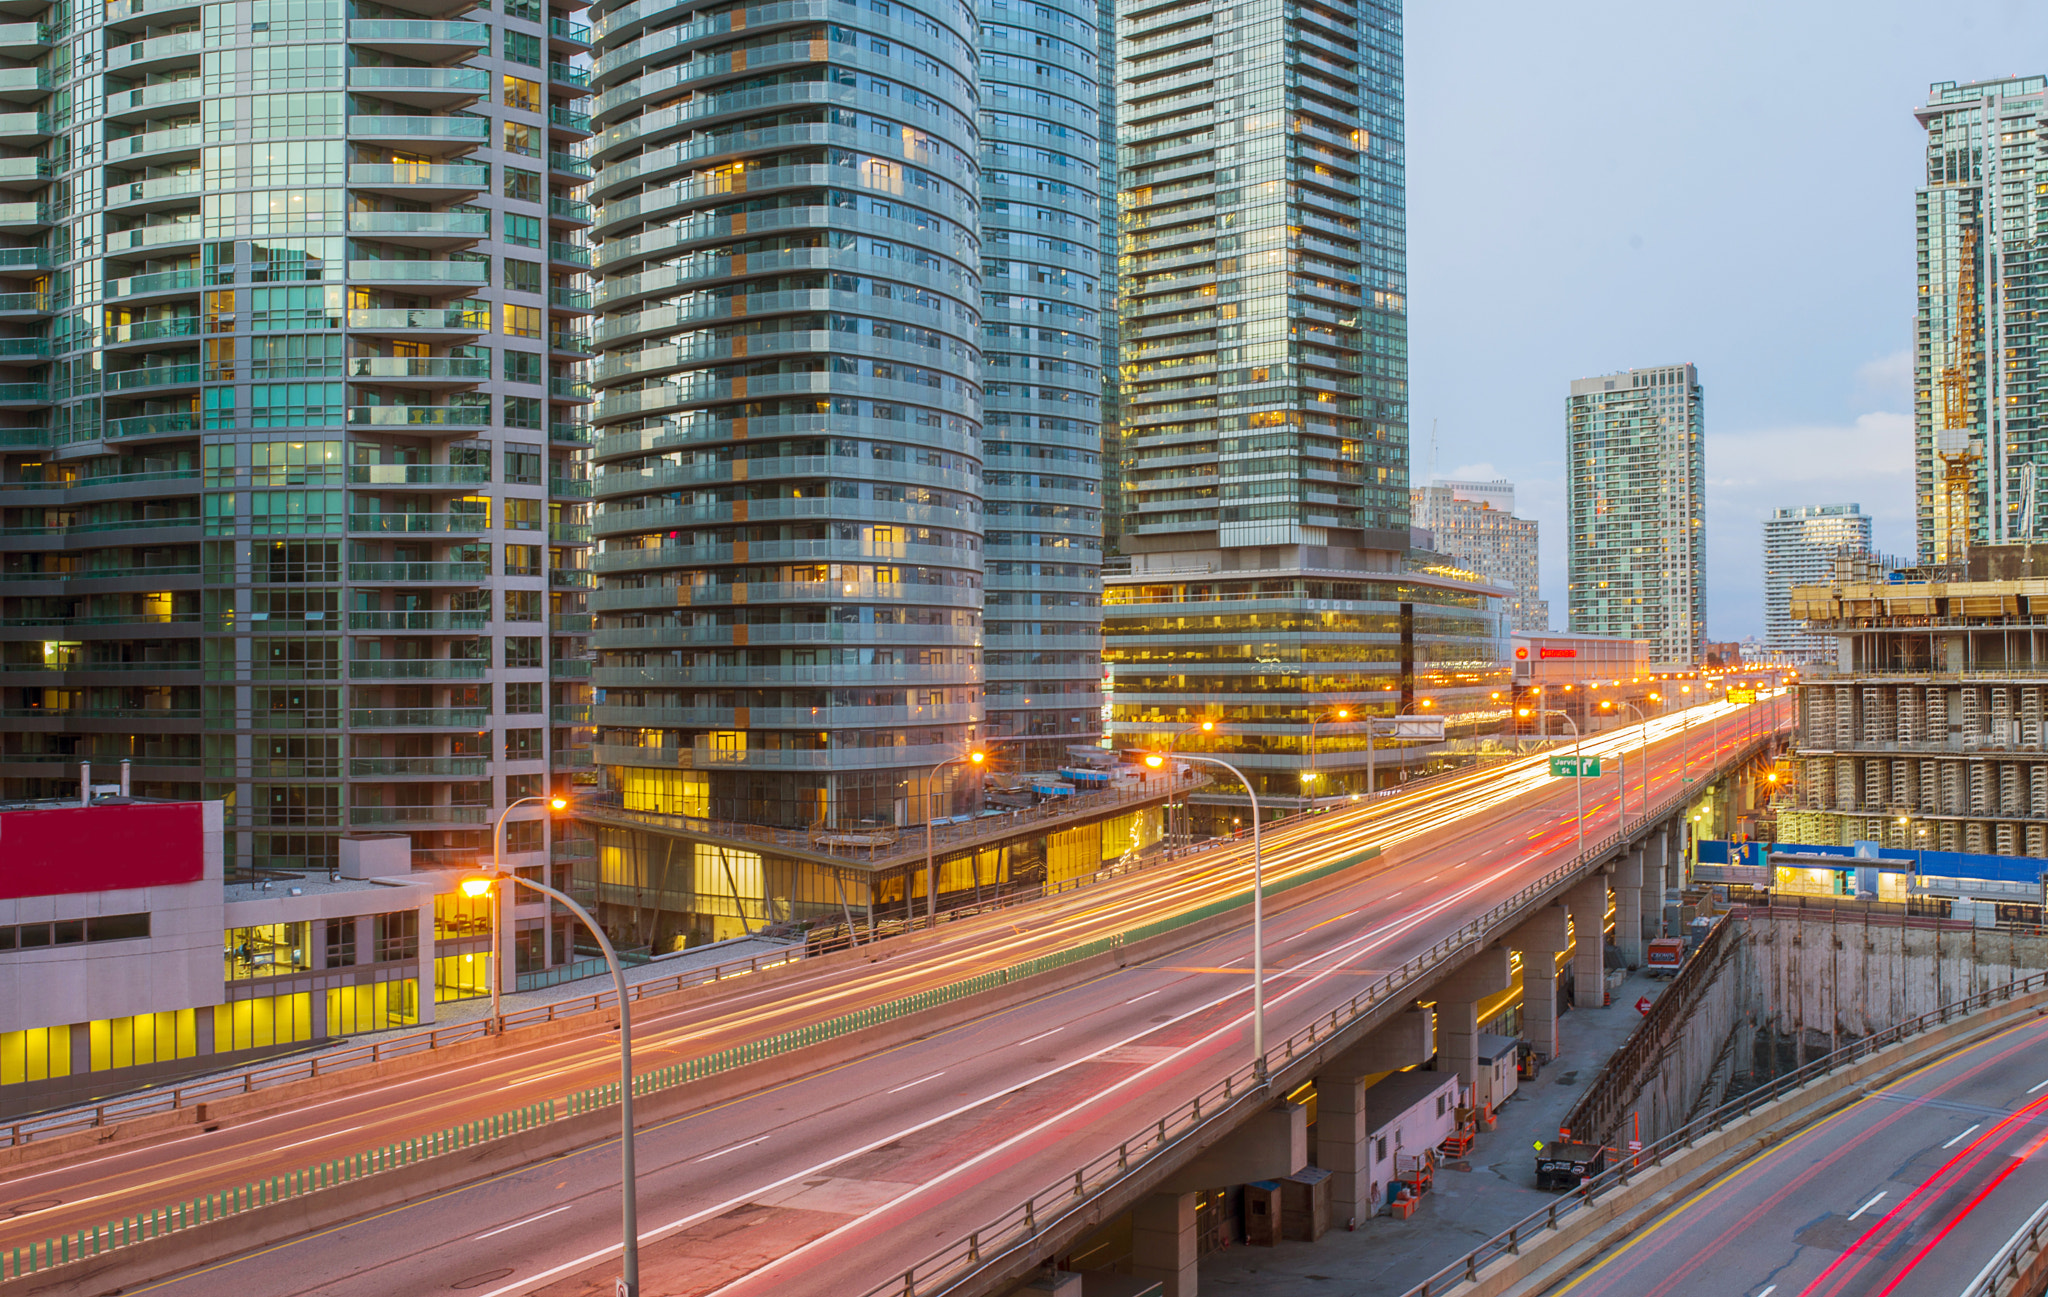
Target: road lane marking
{"type": "Point", "coordinates": [1959, 1139]}
{"type": "Point", "coordinates": [1868, 1205]}
{"type": "Point", "coordinates": [1042, 1035]}
{"type": "Point", "coordinates": [317, 1138]}
{"type": "Point", "coordinates": [920, 1081]}
{"type": "Point", "coordinates": [734, 1149]}
{"type": "Point", "coordinates": [1146, 996]}
{"type": "Point", "coordinates": [2034, 1088]}
{"type": "Point", "coordinates": [552, 1211]}
{"type": "Point", "coordinates": [1773, 1288]}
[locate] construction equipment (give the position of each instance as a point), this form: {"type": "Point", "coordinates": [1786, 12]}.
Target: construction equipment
{"type": "Point", "coordinates": [1954, 489]}
{"type": "Point", "coordinates": [1563, 1165]}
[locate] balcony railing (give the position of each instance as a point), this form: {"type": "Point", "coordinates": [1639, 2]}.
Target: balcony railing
{"type": "Point", "coordinates": [440, 718]}
{"type": "Point", "coordinates": [451, 225]}
{"type": "Point", "coordinates": [460, 367]}
{"type": "Point", "coordinates": [399, 30]}
{"type": "Point", "coordinates": [454, 81]}
{"type": "Point", "coordinates": [418, 475]}
{"type": "Point", "coordinates": [427, 175]}
{"type": "Point", "coordinates": [433, 573]}
{"type": "Point", "coordinates": [416, 669]}
{"type": "Point", "coordinates": [406, 524]}
{"type": "Point", "coordinates": [570, 164]}
{"type": "Point", "coordinates": [444, 767]}
{"type": "Point", "coordinates": [565, 75]}
{"type": "Point", "coordinates": [573, 209]}
{"type": "Point", "coordinates": [153, 425]}
{"type": "Point", "coordinates": [428, 318]}
{"type": "Point", "coordinates": [177, 326]}
{"type": "Point", "coordinates": [460, 127]}
{"type": "Point", "coordinates": [419, 416]}
{"type": "Point", "coordinates": [460, 274]}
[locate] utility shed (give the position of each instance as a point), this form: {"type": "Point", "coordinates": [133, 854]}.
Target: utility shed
{"type": "Point", "coordinates": [1407, 1113]}
{"type": "Point", "coordinates": [1498, 1077]}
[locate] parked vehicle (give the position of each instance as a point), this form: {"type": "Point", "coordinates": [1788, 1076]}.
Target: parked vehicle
{"type": "Point", "coordinates": [1664, 956]}
{"type": "Point", "coordinates": [1562, 1166]}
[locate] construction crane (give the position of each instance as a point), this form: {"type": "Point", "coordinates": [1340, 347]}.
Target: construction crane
{"type": "Point", "coordinates": [1958, 457]}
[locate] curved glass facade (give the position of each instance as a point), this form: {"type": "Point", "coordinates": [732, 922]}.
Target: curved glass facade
{"type": "Point", "coordinates": [789, 407]}
{"type": "Point", "coordinates": [298, 520]}
{"type": "Point", "coordinates": [1042, 302]}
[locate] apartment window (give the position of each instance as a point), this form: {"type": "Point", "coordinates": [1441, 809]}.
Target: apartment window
{"type": "Point", "coordinates": [341, 943]}
{"type": "Point", "coordinates": [522, 605]}
{"type": "Point", "coordinates": [523, 412]}
{"type": "Point", "coordinates": [522, 276]}
{"type": "Point", "coordinates": [522, 560]}
{"type": "Point", "coordinates": [522, 185]}
{"type": "Point", "coordinates": [522, 698]}
{"type": "Point", "coordinates": [518, 786]}
{"type": "Point", "coordinates": [105, 927]}
{"type": "Point", "coordinates": [525, 835]}
{"type": "Point", "coordinates": [522, 139]}
{"type": "Point", "coordinates": [522, 468]}
{"type": "Point", "coordinates": [522, 231]}
{"type": "Point", "coordinates": [522, 48]}
{"type": "Point", "coordinates": [522, 514]}
{"type": "Point", "coordinates": [522, 367]}
{"type": "Point", "coordinates": [522, 94]}
{"type": "Point", "coordinates": [520, 321]}
{"type": "Point", "coordinates": [398, 935]}
{"type": "Point", "coordinates": [522, 651]}
{"type": "Point", "coordinates": [522, 745]}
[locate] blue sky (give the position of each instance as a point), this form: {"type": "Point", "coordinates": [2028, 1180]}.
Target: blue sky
{"type": "Point", "coordinates": [1602, 184]}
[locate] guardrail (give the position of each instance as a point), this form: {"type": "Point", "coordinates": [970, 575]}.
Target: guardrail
{"type": "Point", "coordinates": [1024, 1224]}
{"type": "Point", "coordinates": [264, 1193]}
{"type": "Point", "coordinates": [2004, 1268]}
{"type": "Point", "coordinates": [1509, 1242]}
{"type": "Point", "coordinates": [327, 1063]}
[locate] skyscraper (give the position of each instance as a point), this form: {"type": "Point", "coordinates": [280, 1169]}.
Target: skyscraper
{"type": "Point", "coordinates": [1264, 399]}
{"type": "Point", "coordinates": [1044, 210]}
{"type": "Point", "coordinates": [1980, 419]}
{"type": "Point", "coordinates": [1800, 546]}
{"type": "Point", "coordinates": [1475, 523]}
{"type": "Point", "coordinates": [789, 414]}
{"type": "Point", "coordinates": [1636, 564]}
{"type": "Point", "coordinates": [293, 507]}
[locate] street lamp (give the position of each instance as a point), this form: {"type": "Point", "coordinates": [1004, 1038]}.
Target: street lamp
{"type": "Point", "coordinates": [1206, 727]}
{"type": "Point", "coordinates": [497, 913]}
{"type": "Point", "coordinates": [1155, 760]}
{"type": "Point", "coordinates": [1371, 759]}
{"type": "Point", "coordinates": [1578, 780]}
{"type": "Point", "coordinates": [1311, 775]}
{"type": "Point", "coordinates": [931, 870]}
{"type": "Point", "coordinates": [629, 1260]}
{"type": "Point", "coordinates": [1610, 705]}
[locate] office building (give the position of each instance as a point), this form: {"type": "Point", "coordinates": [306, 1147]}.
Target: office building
{"type": "Point", "coordinates": [789, 409]}
{"type": "Point", "coordinates": [1980, 419]}
{"type": "Point", "coordinates": [1800, 548]}
{"type": "Point", "coordinates": [293, 509]}
{"type": "Point", "coordinates": [1045, 214]}
{"type": "Point", "coordinates": [1636, 561]}
{"type": "Point", "coordinates": [1475, 524]}
{"type": "Point", "coordinates": [1264, 414]}
{"type": "Point", "coordinates": [1925, 726]}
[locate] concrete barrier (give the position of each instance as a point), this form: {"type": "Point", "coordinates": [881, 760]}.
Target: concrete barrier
{"type": "Point", "coordinates": [170, 1253]}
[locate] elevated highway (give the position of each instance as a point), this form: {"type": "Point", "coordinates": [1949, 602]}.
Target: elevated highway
{"type": "Point", "coordinates": [932, 1158]}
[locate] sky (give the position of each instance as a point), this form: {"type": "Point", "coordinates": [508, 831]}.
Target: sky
{"type": "Point", "coordinates": [1596, 185]}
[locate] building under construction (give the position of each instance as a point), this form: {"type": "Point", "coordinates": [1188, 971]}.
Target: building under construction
{"type": "Point", "coordinates": [1925, 730]}
{"type": "Point", "coordinates": [1980, 419]}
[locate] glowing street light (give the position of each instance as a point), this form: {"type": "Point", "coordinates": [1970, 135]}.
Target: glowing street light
{"type": "Point", "coordinates": [496, 965]}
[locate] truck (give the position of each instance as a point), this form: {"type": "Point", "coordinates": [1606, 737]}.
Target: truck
{"type": "Point", "coordinates": [1563, 1165]}
{"type": "Point", "coordinates": [1664, 956]}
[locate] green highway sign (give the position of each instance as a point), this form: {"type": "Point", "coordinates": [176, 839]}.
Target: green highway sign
{"type": "Point", "coordinates": [1569, 767]}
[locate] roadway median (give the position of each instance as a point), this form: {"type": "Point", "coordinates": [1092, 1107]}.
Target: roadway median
{"type": "Point", "coordinates": [153, 1240]}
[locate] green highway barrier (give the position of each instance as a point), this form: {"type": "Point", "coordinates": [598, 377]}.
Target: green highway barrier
{"type": "Point", "coordinates": [85, 1244]}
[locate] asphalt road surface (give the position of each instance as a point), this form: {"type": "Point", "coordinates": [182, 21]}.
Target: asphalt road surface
{"type": "Point", "coordinates": [832, 1182]}
{"type": "Point", "coordinates": [1910, 1190]}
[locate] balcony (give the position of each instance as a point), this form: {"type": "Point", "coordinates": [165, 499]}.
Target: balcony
{"type": "Point", "coordinates": [422, 276]}
{"type": "Point", "coordinates": [437, 475]}
{"type": "Point", "coordinates": [417, 814]}
{"type": "Point", "coordinates": [569, 533]}
{"type": "Point", "coordinates": [569, 211]}
{"type": "Point", "coordinates": [24, 129]}
{"type": "Point", "coordinates": [569, 340]}
{"type": "Point", "coordinates": [183, 92]}
{"type": "Point", "coordinates": [421, 87]}
{"type": "Point", "coordinates": [24, 306]}
{"type": "Point", "coordinates": [569, 669]}
{"type": "Point", "coordinates": [564, 75]}
{"type": "Point", "coordinates": [174, 139]}
{"type": "Point", "coordinates": [149, 376]}
{"type": "Point", "coordinates": [569, 120]}
{"type": "Point", "coordinates": [427, 181]}
{"type": "Point", "coordinates": [569, 434]}
{"type": "Point", "coordinates": [24, 41]}
{"type": "Point", "coordinates": [168, 191]}
{"type": "Point", "coordinates": [570, 299]}
{"type": "Point", "coordinates": [568, 164]}
{"type": "Point", "coordinates": [178, 423]}
{"type": "Point", "coordinates": [162, 281]}
{"type": "Point", "coordinates": [28, 351]}
{"type": "Point", "coordinates": [450, 371]}
{"type": "Point", "coordinates": [420, 39]}
{"type": "Point", "coordinates": [419, 416]}
{"type": "Point", "coordinates": [163, 234]}
{"type": "Point", "coordinates": [123, 13]}
{"type": "Point", "coordinates": [31, 85]}
{"type": "Point", "coordinates": [417, 668]}
{"type": "Point", "coordinates": [569, 488]}
{"type": "Point", "coordinates": [441, 135]}
{"type": "Point", "coordinates": [466, 620]}
{"type": "Point", "coordinates": [563, 32]}
{"type": "Point", "coordinates": [420, 229]}
{"type": "Point", "coordinates": [156, 53]}
{"type": "Point", "coordinates": [569, 389]}
{"type": "Point", "coordinates": [177, 326]}
{"type": "Point", "coordinates": [26, 174]}
{"type": "Point", "coordinates": [403, 767]}
{"type": "Point", "coordinates": [419, 573]}
{"type": "Point", "coordinates": [418, 524]}
{"type": "Point", "coordinates": [437, 718]}
{"type": "Point", "coordinates": [574, 254]}
{"type": "Point", "coordinates": [24, 218]}
{"type": "Point", "coordinates": [19, 394]}
{"type": "Point", "coordinates": [421, 324]}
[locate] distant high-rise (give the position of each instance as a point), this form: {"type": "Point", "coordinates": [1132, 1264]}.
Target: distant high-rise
{"type": "Point", "coordinates": [1475, 523]}
{"type": "Point", "coordinates": [1980, 427]}
{"type": "Point", "coordinates": [1044, 210]}
{"type": "Point", "coordinates": [1799, 549]}
{"type": "Point", "coordinates": [1636, 562]}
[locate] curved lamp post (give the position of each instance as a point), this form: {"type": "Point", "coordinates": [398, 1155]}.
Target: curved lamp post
{"type": "Point", "coordinates": [1155, 760]}
{"type": "Point", "coordinates": [1608, 704]}
{"type": "Point", "coordinates": [629, 1260]}
{"type": "Point", "coordinates": [931, 870]}
{"type": "Point", "coordinates": [497, 964]}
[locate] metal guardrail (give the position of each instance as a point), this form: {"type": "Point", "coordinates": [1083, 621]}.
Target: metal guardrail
{"type": "Point", "coordinates": [1510, 1241]}
{"type": "Point", "coordinates": [1022, 1225]}
{"type": "Point", "coordinates": [327, 1063]}
{"type": "Point", "coordinates": [143, 1227]}
{"type": "Point", "coordinates": [2001, 1276]}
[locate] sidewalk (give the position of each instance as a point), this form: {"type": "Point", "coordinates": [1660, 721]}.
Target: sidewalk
{"type": "Point", "coordinates": [1386, 1257]}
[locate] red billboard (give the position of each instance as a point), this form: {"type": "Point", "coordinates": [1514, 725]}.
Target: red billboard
{"type": "Point", "coordinates": [70, 850]}
{"type": "Point", "coordinates": [1557, 653]}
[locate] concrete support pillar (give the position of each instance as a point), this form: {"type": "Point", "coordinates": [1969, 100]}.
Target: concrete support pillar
{"type": "Point", "coordinates": [1540, 940]}
{"type": "Point", "coordinates": [1268, 1146]}
{"type": "Point", "coordinates": [1457, 1010]}
{"type": "Point", "coordinates": [1628, 906]}
{"type": "Point", "coordinates": [1407, 1041]}
{"type": "Point", "coordinates": [1588, 905]}
{"type": "Point", "coordinates": [1163, 1242]}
